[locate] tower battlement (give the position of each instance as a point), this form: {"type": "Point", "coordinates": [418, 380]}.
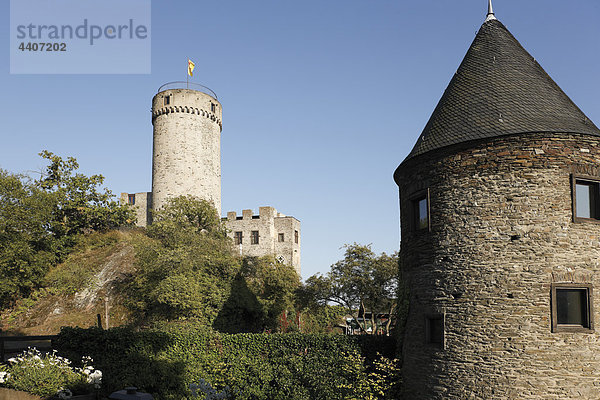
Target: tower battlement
{"type": "Point", "coordinates": [186, 157]}
{"type": "Point", "coordinates": [268, 233]}
{"type": "Point", "coordinates": [186, 161]}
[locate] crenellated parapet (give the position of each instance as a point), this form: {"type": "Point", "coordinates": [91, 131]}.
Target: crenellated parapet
{"type": "Point", "coordinates": [187, 145]}
{"type": "Point", "coordinates": [186, 109]}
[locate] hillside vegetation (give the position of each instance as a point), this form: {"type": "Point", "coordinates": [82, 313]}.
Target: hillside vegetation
{"type": "Point", "coordinates": [74, 291]}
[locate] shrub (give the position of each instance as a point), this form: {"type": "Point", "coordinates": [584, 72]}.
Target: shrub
{"type": "Point", "coordinates": [166, 359]}
{"type": "Point", "coordinates": [48, 374]}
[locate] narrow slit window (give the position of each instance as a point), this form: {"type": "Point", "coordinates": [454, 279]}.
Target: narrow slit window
{"type": "Point", "coordinates": [167, 100]}
{"type": "Point", "coordinates": [296, 237]}
{"type": "Point", "coordinates": [131, 199]}
{"type": "Point", "coordinates": [420, 211]}
{"type": "Point", "coordinates": [434, 329]}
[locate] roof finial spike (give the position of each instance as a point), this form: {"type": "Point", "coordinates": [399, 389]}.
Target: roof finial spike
{"type": "Point", "coordinates": [490, 14]}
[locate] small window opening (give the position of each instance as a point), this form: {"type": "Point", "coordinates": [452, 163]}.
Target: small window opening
{"type": "Point", "coordinates": [254, 237]}
{"type": "Point", "coordinates": [296, 237]}
{"type": "Point", "coordinates": [587, 199]}
{"type": "Point", "coordinates": [131, 199]}
{"type": "Point", "coordinates": [420, 211]}
{"type": "Point", "coordinates": [434, 329]}
{"type": "Point", "coordinates": [167, 100]}
{"type": "Point", "coordinates": [572, 308]}
{"type": "Point", "coordinates": [238, 237]}
{"type": "Point", "coordinates": [281, 237]}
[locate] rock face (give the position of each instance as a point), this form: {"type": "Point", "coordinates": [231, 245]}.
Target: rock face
{"type": "Point", "coordinates": [501, 236]}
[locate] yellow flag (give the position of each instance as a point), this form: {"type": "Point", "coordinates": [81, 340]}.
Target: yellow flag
{"type": "Point", "coordinates": [191, 66]}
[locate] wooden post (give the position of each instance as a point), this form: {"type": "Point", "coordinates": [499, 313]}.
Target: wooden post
{"type": "Point", "coordinates": [106, 311]}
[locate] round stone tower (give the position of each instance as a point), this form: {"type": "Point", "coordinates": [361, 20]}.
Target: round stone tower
{"type": "Point", "coordinates": [186, 157]}
{"type": "Point", "coordinates": [500, 221]}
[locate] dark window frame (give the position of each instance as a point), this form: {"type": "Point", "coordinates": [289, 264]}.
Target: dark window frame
{"type": "Point", "coordinates": [254, 237]}
{"type": "Point", "coordinates": [593, 180]}
{"type": "Point", "coordinates": [296, 236]}
{"type": "Point", "coordinates": [281, 237]}
{"type": "Point", "coordinates": [414, 200]}
{"type": "Point", "coordinates": [167, 100]}
{"type": "Point", "coordinates": [556, 327]}
{"type": "Point", "coordinates": [428, 339]}
{"type": "Point", "coordinates": [131, 199]}
{"type": "Point", "coordinates": [238, 237]}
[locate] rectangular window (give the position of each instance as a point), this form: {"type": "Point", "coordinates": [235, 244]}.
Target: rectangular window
{"type": "Point", "coordinates": [572, 307]}
{"type": "Point", "coordinates": [586, 199]}
{"type": "Point", "coordinates": [131, 199]}
{"type": "Point", "coordinates": [420, 211]}
{"type": "Point", "coordinates": [167, 100]}
{"type": "Point", "coordinates": [213, 107]}
{"type": "Point", "coordinates": [296, 237]}
{"type": "Point", "coordinates": [254, 237]}
{"type": "Point", "coordinates": [434, 329]}
{"type": "Point", "coordinates": [280, 237]}
{"type": "Point", "coordinates": [238, 237]}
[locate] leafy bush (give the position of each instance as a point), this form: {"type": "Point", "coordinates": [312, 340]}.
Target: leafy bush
{"type": "Point", "coordinates": [41, 220]}
{"type": "Point", "coordinates": [48, 374]}
{"type": "Point", "coordinates": [80, 266]}
{"type": "Point", "coordinates": [166, 359]}
{"type": "Point", "coordinates": [185, 265]}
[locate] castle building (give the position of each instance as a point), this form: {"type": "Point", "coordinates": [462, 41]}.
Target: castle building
{"type": "Point", "coordinates": [500, 227]}
{"type": "Point", "coordinates": [186, 160]}
{"type": "Point", "coordinates": [269, 232]}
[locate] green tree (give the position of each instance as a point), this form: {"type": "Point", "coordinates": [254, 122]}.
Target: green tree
{"type": "Point", "coordinates": [361, 282]}
{"type": "Point", "coordinates": [40, 221]}
{"type": "Point", "coordinates": [26, 248]}
{"type": "Point", "coordinates": [79, 205]}
{"type": "Point", "coordinates": [186, 264]}
{"type": "Point", "coordinates": [262, 297]}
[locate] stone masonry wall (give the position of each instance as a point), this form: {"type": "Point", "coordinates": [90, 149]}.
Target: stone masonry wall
{"type": "Point", "coordinates": [142, 206]}
{"type": "Point", "coordinates": [186, 156]}
{"type": "Point", "coordinates": [269, 224]}
{"type": "Point", "coordinates": [502, 231]}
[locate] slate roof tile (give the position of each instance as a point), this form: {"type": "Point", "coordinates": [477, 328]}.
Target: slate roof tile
{"type": "Point", "coordinates": [499, 89]}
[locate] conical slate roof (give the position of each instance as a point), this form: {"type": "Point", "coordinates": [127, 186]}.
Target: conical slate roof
{"type": "Point", "coordinates": [499, 89]}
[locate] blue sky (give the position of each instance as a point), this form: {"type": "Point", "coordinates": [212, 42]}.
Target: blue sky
{"type": "Point", "coordinates": [321, 100]}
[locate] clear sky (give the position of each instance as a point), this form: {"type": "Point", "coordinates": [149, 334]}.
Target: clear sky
{"type": "Point", "coordinates": [321, 100]}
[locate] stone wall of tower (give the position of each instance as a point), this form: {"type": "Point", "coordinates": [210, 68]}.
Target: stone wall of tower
{"type": "Point", "coordinates": [186, 157]}
{"type": "Point", "coordinates": [142, 204]}
{"type": "Point", "coordinates": [502, 232]}
{"type": "Point", "coordinates": [271, 227]}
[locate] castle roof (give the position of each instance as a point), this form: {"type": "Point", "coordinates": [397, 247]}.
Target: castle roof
{"type": "Point", "coordinates": [499, 89]}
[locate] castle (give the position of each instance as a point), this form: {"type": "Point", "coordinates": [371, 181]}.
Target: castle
{"type": "Point", "coordinates": [186, 160]}
{"type": "Point", "coordinates": [500, 248]}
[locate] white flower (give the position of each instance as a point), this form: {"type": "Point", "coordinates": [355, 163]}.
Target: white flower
{"type": "Point", "coordinates": [12, 360]}
{"type": "Point", "coordinates": [95, 378]}
{"type": "Point", "coordinates": [4, 376]}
